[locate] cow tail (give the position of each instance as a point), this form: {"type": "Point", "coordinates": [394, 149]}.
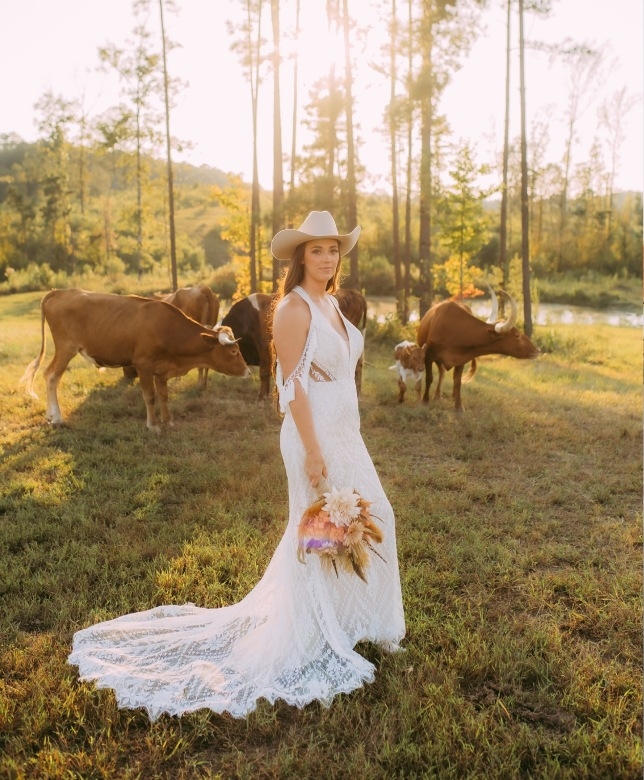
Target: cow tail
{"type": "Point", "coordinates": [471, 372]}
{"type": "Point", "coordinates": [30, 371]}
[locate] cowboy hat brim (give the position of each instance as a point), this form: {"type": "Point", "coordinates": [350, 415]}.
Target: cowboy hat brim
{"type": "Point", "coordinates": [286, 241]}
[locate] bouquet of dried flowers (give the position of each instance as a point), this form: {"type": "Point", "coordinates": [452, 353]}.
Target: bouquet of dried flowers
{"type": "Point", "coordinates": [339, 528]}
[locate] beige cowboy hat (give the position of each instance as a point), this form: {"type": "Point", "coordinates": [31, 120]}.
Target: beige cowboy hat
{"type": "Point", "coordinates": [318, 224]}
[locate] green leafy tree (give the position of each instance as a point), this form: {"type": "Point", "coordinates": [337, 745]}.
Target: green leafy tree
{"type": "Point", "coordinates": [55, 115]}
{"type": "Point", "coordinates": [138, 68]}
{"type": "Point", "coordinates": [462, 224]}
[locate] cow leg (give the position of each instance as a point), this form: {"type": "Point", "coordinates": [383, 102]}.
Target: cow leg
{"type": "Point", "coordinates": [428, 378]}
{"type": "Point", "coordinates": [456, 390]}
{"type": "Point", "coordinates": [401, 389]}
{"type": "Point", "coordinates": [418, 387]}
{"type": "Point", "coordinates": [149, 396]}
{"type": "Point", "coordinates": [161, 384]}
{"type": "Point", "coordinates": [52, 375]}
{"type": "Point", "coordinates": [441, 376]}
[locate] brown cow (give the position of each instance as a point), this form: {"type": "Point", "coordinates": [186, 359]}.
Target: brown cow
{"type": "Point", "coordinates": [452, 336]}
{"type": "Point", "coordinates": [249, 319]}
{"type": "Point", "coordinates": [157, 339]}
{"type": "Point", "coordinates": [202, 305]}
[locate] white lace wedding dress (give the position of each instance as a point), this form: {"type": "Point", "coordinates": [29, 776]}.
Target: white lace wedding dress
{"type": "Point", "coordinates": [293, 636]}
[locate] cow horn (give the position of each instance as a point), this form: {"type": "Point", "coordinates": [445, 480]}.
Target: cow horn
{"type": "Point", "coordinates": [506, 325]}
{"type": "Point", "coordinates": [225, 339]}
{"type": "Point", "coordinates": [495, 306]}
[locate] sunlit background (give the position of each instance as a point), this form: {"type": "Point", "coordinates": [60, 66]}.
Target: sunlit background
{"type": "Point", "coordinates": [53, 46]}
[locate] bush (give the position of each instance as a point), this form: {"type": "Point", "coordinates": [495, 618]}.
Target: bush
{"type": "Point", "coordinates": [223, 281]}
{"type": "Point", "coordinates": [33, 277]}
{"type": "Point", "coordinates": [377, 276]}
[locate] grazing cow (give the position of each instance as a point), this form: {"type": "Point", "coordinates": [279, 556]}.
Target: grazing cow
{"type": "Point", "coordinates": [155, 338]}
{"type": "Point", "coordinates": [452, 336]}
{"type": "Point", "coordinates": [202, 305]}
{"type": "Point", "coordinates": [249, 319]}
{"type": "Point", "coordinates": [410, 365]}
{"type": "Point", "coordinates": [353, 305]}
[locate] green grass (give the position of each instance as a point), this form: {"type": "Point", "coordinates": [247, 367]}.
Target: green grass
{"type": "Point", "coordinates": [519, 534]}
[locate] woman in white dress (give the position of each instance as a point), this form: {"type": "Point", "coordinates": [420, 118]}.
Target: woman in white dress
{"type": "Point", "coordinates": [293, 636]}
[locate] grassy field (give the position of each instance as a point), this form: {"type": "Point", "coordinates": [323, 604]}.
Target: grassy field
{"type": "Point", "coordinates": [519, 534]}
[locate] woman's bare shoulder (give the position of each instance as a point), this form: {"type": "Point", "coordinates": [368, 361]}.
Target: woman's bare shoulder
{"type": "Point", "coordinates": [291, 310]}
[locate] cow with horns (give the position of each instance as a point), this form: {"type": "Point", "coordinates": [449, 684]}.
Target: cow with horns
{"type": "Point", "coordinates": [154, 337]}
{"type": "Point", "coordinates": [452, 336]}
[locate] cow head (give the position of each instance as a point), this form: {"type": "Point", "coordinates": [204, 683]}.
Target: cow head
{"type": "Point", "coordinates": [413, 358]}
{"type": "Point", "coordinates": [511, 341]}
{"type": "Point", "coordinates": [225, 356]}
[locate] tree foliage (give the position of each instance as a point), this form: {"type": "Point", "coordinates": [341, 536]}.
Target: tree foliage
{"type": "Point", "coordinates": [90, 194]}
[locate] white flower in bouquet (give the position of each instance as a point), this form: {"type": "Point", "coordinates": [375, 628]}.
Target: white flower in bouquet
{"type": "Point", "coordinates": [343, 506]}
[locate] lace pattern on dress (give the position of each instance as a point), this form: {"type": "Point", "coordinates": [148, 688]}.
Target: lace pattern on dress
{"type": "Point", "coordinates": [306, 369]}
{"type": "Point", "coordinates": [286, 388]}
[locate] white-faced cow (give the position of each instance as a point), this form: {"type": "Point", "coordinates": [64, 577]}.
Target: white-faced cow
{"type": "Point", "coordinates": [249, 319]}
{"type": "Point", "coordinates": [155, 338]}
{"type": "Point", "coordinates": [410, 366]}
{"type": "Point", "coordinates": [452, 336]}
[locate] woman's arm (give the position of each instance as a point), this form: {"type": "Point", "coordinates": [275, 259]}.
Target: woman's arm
{"type": "Point", "coordinates": [290, 330]}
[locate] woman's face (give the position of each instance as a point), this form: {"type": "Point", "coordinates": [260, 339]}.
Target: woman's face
{"type": "Point", "coordinates": [321, 258]}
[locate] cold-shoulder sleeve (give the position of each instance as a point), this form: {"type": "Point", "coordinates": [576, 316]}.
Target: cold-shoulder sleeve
{"type": "Point", "coordinates": [286, 388]}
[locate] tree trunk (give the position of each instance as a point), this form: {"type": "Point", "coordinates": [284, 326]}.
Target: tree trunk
{"type": "Point", "coordinates": [525, 219]}
{"type": "Point", "coordinates": [424, 242]}
{"type": "Point", "coordinates": [254, 86]}
{"type": "Point", "coordinates": [398, 285]}
{"type": "Point", "coordinates": [291, 185]}
{"type": "Point", "coordinates": [352, 196]}
{"type": "Point", "coordinates": [503, 228]}
{"type": "Point", "coordinates": [278, 172]}
{"type": "Point", "coordinates": [168, 146]}
{"type": "Point", "coordinates": [328, 188]}
{"type": "Point", "coordinates": [410, 128]}
{"type": "Point", "coordinates": [139, 197]}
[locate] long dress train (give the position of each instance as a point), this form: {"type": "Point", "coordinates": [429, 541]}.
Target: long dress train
{"type": "Point", "coordinates": [292, 636]}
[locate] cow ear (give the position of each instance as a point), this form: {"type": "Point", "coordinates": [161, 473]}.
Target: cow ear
{"type": "Point", "coordinates": [210, 338]}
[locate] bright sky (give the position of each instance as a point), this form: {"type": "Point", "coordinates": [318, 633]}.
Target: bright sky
{"type": "Point", "coordinates": [53, 45]}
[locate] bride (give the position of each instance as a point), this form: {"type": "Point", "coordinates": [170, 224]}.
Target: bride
{"type": "Point", "coordinates": [293, 636]}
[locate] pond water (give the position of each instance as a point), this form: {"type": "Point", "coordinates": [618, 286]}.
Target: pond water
{"type": "Point", "coordinates": [542, 313]}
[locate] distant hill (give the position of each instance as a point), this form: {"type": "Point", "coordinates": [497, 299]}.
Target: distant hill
{"type": "Point", "coordinates": [13, 151]}
{"type": "Point", "coordinates": [185, 173]}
